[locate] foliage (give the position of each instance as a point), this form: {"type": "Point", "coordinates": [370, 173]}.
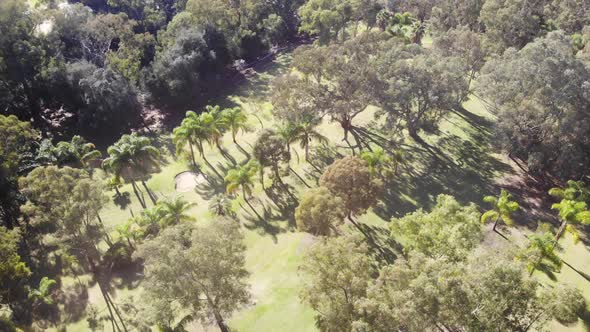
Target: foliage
{"type": "Point", "coordinates": [221, 205]}
{"type": "Point", "coordinates": [12, 269]}
{"type": "Point", "coordinates": [132, 153]}
{"type": "Point", "coordinates": [76, 153]}
{"type": "Point", "coordinates": [502, 209]}
{"type": "Point", "coordinates": [319, 212]}
{"type": "Point", "coordinates": [205, 263]}
{"type": "Point", "coordinates": [18, 137]}
{"type": "Point", "coordinates": [541, 254]}
{"type": "Point", "coordinates": [420, 86]}
{"type": "Point", "coordinates": [541, 118]}
{"type": "Point", "coordinates": [449, 230]}
{"type": "Point", "coordinates": [336, 273]}
{"type": "Point", "coordinates": [511, 23]}
{"type": "Point", "coordinates": [350, 179]}
{"type": "Point", "coordinates": [44, 291]}
{"type": "Point", "coordinates": [454, 14]}
{"type": "Point", "coordinates": [174, 211]}
{"type": "Point", "coordinates": [270, 151]}
{"type": "Point", "coordinates": [241, 177]}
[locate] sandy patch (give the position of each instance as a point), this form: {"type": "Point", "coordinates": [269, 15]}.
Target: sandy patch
{"type": "Point", "coordinates": [187, 181]}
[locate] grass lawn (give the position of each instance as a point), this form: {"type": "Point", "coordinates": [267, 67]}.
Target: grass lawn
{"type": "Point", "coordinates": [456, 160]}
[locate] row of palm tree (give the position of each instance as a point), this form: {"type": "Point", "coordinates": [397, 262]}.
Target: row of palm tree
{"type": "Point", "coordinates": [133, 157]}
{"type": "Point", "coordinates": [208, 127]}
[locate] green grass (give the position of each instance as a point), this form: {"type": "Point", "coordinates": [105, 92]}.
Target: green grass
{"type": "Point", "coordinates": [459, 162]}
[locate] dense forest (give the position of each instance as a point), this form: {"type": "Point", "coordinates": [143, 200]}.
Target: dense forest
{"type": "Point", "coordinates": [294, 165]}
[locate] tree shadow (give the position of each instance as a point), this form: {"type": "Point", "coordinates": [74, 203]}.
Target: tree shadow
{"type": "Point", "coordinates": [264, 226]}
{"type": "Point", "coordinates": [210, 188]}
{"type": "Point", "coordinates": [122, 200]}
{"type": "Point", "coordinates": [284, 201]}
{"type": "Point", "coordinates": [463, 168]}
{"type": "Point", "coordinates": [388, 250]}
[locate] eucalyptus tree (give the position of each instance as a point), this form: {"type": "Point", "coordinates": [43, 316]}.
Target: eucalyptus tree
{"type": "Point", "coordinates": [453, 14]}
{"type": "Point", "coordinates": [200, 269]}
{"type": "Point", "coordinates": [420, 86]}
{"type": "Point", "coordinates": [319, 212]}
{"type": "Point", "coordinates": [502, 209]}
{"type": "Point", "coordinates": [542, 119]}
{"type": "Point", "coordinates": [449, 229]}
{"type": "Point", "coordinates": [350, 179]}
{"type": "Point", "coordinates": [131, 157]}
{"type": "Point", "coordinates": [271, 151]}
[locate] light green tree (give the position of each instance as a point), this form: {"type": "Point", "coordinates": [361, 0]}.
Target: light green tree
{"type": "Point", "coordinates": [236, 120]}
{"type": "Point", "coordinates": [175, 210]}
{"type": "Point", "coordinates": [502, 209]}
{"type": "Point", "coordinates": [540, 254]}
{"type": "Point", "coordinates": [377, 160]}
{"type": "Point", "coordinates": [242, 178]}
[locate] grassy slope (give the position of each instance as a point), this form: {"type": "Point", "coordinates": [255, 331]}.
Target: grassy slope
{"type": "Point", "coordinates": [459, 162]}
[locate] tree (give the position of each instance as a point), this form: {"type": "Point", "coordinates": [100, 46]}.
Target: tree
{"type": "Point", "coordinates": [327, 19]}
{"type": "Point", "coordinates": [76, 153]}
{"type": "Point", "coordinates": [420, 87]}
{"type": "Point", "coordinates": [215, 125]}
{"type": "Point", "coordinates": [377, 160]}
{"type": "Point", "coordinates": [319, 212]}
{"type": "Point", "coordinates": [540, 254]}
{"type": "Point", "coordinates": [235, 119]}
{"type": "Point", "coordinates": [12, 269]}
{"type": "Point", "coordinates": [15, 149]}
{"type": "Point", "coordinates": [242, 178]}
{"type": "Point", "coordinates": [568, 15]}
{"type": "Point", "coordinates": [201, 269]}
{"type": "Point", "coordinates": [174, 211]}
{"type": "Point", "coordinates": [350, 179]}
{"type": "Point", "coordinates": [43, 294]}
{"type": "Point", "coordinates": [193, 132]}
{"type": "Point", "coordinates": [453, 14]}
{"type": "Point", "coordinates": [428, 294]}
{"type": "Point", "coordinates": [221, 205]}
{"type": "Point", "coordinates": [288, 132]}
{"type": "Point", "coordinates": [449, 229]}
{"type": "Point", "coordinates": [307, 133]}
{"type": "Point", "coordinates": [571, 213]}
{"type": "Point", "coordinates": [541, 118]}
{"type": "Point", "coordinates": [511, 23]}
{"type": "Point", "coordinates": [271, 151]}
{"type": "Point", "coordinates": [502, 209]}
{"type": "Point", "coordinates": [336, 273]}
{"type": "Point", "coordinates": [465, 44]}
{"type": "Point", "coordinates": [133, 156]}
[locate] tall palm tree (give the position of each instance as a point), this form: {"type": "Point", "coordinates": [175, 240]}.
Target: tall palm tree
{"type": "Point", "coordinates": [235, 119]}
{"type": "Point", "coordinates": [289, 133]}
{"type": "Point", "coordinates": [377, 160]}
{"type": "Point", "coordinates": [215, 123]}
{"type": "Point", "coordinates": [502, 209]}
{"type": "Point", "coordinates": [306, 133]}
{"type": "Point", "coordinates": [133, 154]}
{"type": "Point", "coordinates": [175, 210]}
{"type": "Point", "coordinates": [242, 178]}
{"type": "Point", "coordinates": [571, 212]}
{"type": "Point", "coordinates": [540, 254]}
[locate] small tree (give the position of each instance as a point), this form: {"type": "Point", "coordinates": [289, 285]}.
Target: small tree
{"type": "Point", "coordinates": [242, 178]}
{"type": "Point", "coordinates": [319, 212]}
{"type": "Point", "coordinates": [235, 119]}
{"type": "Point", "coordinates": [175, 210]}
{"type": "Point", "coordinates": [540, 254]}
{"type": "Point", "coordinates": [271, 151]}
{"type": "Point", "coordinates": [350, 179]}
{"type": "Point", "coordinates": [201, 269]}
{"type": "Point", "coordinates": [377, 160]}
{"type": "Point", "coordinates": [502, 209]}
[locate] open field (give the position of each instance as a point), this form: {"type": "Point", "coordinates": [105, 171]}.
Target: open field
{"type": "Point", "coordinates": [458, 160]}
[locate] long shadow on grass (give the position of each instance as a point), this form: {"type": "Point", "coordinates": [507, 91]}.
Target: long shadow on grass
{"type": "Point", "coordinates": [464, 168]}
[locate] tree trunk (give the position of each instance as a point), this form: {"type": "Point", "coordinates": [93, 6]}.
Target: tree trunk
{"type": "Point", "coordinates": [307, 152]}
{"type": "Point", "coordinates": [192, 154]}
{"type": "Point", "coordinates": [299, 177]}
{"type": "Point", "coordinates": [150, 194]}
{"type": "Point", "coordinates": [560, 232]}
{"type": "Point", "coordinates": [136, 191]}
{"type": "Point", "coordinates": [250, 205]}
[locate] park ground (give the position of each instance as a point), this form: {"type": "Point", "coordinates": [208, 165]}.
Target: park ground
{"type": "Point", "coordinates": [458, 160]}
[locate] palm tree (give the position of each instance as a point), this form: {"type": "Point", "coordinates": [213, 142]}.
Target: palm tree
{"type": "Point", "coordinates": [502, 209]}
{"type": "Point", "coordinates": [215, 123]}
{"type": "Point", "coordinates": [43, 294]}
{"type": "Point", "coordinates": [289, 133]}
{"type": "Point", "coordinates": [377, 160]}
{"type": "Point", "coordinates": [220, 205]}
{"type": "Point", "coordinates": [187, 133]}
{"type": "Point", "coordinates": [571, 212]}
{"type": "Point", "coordinates": [129, 230]}
{"type": "Point", "coordinates": [174, 211]}
{"type": "Point", "coordinates": [242, 178]}
{"type": "Point", "coordinates": [540, 254]}
{"type": "Point", "coordinates": [133, 154]}
{"type": "Point", "coordinates": [235, 119]}
{"type": "Point", "coordinates": [306, 133]}
{"type": "Point", "coordinates": [575, 190]}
